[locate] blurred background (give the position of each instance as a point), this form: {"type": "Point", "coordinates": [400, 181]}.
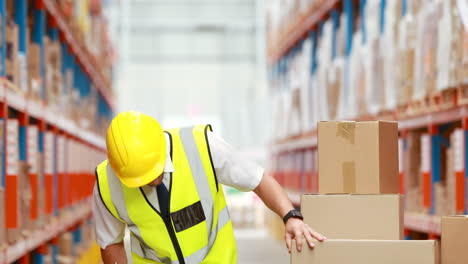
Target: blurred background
{"type": "Point", "coordinates": [262, 72]}
{"type": "Point", "coordinates": [195, 61]}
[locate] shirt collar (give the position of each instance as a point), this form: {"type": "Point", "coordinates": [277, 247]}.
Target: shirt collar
{"type": "Point", "coordinates": [168, 167]}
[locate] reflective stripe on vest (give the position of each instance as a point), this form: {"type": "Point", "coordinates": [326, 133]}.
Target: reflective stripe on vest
{"type": "Point", "coordinates": [193, 182]}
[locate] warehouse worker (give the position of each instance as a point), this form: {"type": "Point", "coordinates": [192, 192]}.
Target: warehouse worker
{"type": "Point", "coordinates": [165, 186]}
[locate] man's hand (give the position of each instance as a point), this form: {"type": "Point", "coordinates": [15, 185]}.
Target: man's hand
{"type": "Point", "coordinates": [296, 229]}
{"type": "Point", "coordinates": [273, 195]}
{"type": "Point", "coordinates": [114, 254]}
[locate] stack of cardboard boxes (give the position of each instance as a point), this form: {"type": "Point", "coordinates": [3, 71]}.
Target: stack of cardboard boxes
{"type": "Point", "coordinates": [359, 208]}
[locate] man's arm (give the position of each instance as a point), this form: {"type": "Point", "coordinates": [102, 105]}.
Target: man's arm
{"type": "Point", "coordinates": [238, 171]}
{"type": "Point", "coordinates": [275, 198]}
{"type": "Point", "coordinates": [114, 254]}
{"type": "Point", "coordinates": [109, 232]}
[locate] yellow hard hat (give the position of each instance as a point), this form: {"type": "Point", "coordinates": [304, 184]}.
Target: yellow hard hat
{"type": "Point", "coordinates": [136, 148]}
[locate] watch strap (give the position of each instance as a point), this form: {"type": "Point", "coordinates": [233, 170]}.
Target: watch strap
{"type": "Point", "coordinates": [293, 214]}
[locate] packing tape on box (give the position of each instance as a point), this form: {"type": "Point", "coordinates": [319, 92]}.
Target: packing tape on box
{"type": "Point", "coordinates": [346, 130]}
{"type": "Point", "coordinates": [349, 177]}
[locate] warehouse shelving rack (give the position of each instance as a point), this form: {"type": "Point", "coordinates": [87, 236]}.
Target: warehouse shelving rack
{"type": "Point", "coordinates": [14, 104]}
{"type": "Point", "coordinates": [300, 28]}
{"type": "Point", "coordinates": [48, 233]}
{"type": "Point", "coordinates": [87, 61]}
{"type": "Point", "coordinates": [443, 109]}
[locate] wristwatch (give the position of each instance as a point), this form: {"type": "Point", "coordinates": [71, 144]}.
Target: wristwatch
{"type": "Point", "coordinates": [293, 214]}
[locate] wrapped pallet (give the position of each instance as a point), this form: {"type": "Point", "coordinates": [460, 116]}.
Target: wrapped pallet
{"type": "Point", "coordinates": [460, 43]}
{"type": "Point", "coordinates": [335, 82]}
{"type": "Point", "coordinates": [406, 53]}
{"type": "Point", "coordinates": [412, 171]}
{"type": "Point", "coordinates": [324, 55]}
{"type": "Point", "coordinates": [363, 70]}
{"type": "Point", "coordinates": [357, 104]}
{"type": "Point", "coordinates": [373, 77]}
{"type": "Point", "coordinates": [444, 52]}
{"type": "Point", "coordinates": [426, 48]}
{"type": "Point", "coordinates": [306, 123]}
{"type": "Point", "coordinates": [389, 46]}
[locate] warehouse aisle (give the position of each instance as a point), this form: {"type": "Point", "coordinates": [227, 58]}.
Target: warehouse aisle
{"type": "Point", "coordinates": [256, 246]}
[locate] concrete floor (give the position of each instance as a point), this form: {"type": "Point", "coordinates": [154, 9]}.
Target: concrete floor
{"type": "Point", "coordinates": [256, 247]}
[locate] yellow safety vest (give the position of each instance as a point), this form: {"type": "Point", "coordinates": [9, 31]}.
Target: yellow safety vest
{"type": "Point", "coordinates": [198, 230]}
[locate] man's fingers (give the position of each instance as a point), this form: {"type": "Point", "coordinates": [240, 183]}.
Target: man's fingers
{"type": "Point", "coordinates": [288, 242]}
{"type": "Point", "coordinates": [309, 238]}
{"type": "Point", "coordinates": [317, 235]}
{"type": "Point", "coordinates": [298, 238]}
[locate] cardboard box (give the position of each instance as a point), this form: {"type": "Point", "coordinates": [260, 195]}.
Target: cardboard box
{"type": "Point", "coordinates": [25, 196]}
{"type": "Point", "coordinates": [355, 216]}
{"type": "Point", "coordinates": [454, 239]}
{"type": "Point", "coordinates": [2, 218]}
{"type": "Point", "coordinates": [358, 157]}
{"type": "Point", "coordinates": [66, 260]}
{"type": "Point", "coordinates": [65, 244]}
{"type": "Point", "coordinates": [369, 252]}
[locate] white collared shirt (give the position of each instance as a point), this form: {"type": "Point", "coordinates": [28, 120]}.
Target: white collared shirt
{"type": "Point", "coordinates": [232, 169]}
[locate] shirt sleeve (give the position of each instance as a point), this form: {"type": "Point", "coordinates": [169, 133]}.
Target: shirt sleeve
{"type": "Point", "coordinates": [232, 168]}
{"type": "Point", "coordinates": [109, 230]}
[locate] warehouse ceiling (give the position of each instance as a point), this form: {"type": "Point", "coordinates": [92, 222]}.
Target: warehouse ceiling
{"type": "Point", "coordinates": [175, 31]}
{"type": "Point", "coordinates": [192, 61]}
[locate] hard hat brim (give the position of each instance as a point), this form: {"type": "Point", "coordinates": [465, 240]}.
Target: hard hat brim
{"type": "Point", "coordinates": [151, 175]}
